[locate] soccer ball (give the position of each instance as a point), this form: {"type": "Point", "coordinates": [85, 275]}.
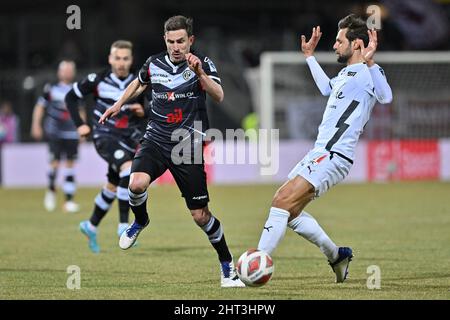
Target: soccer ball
{"type": "Point", "coordinates": [255, 267]}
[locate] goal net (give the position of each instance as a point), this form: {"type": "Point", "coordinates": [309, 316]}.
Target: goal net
{"type": "Point", "coordinates": [289, 99]}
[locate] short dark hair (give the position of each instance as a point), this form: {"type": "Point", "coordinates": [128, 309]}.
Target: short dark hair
{"type": "Point", "coordinates": [178, 23]}
{"type": "Point", "coordinates": [357, 28]}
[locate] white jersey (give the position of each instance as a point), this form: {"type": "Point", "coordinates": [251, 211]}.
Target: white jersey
{"type": "Point", "coordinates": [348, 109]}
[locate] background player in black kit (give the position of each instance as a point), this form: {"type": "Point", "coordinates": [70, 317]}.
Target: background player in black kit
{"type": "Point", "coordinates": [179, 81]}
{"type": "Point", "coordinates": [117, 140]}
{"type": "Point", "coordinates": [61, 133]}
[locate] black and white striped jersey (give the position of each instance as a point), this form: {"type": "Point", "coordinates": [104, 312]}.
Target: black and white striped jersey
{"type": "Point", "coordinates": [178, 100]}
{"type": "Point", "coordinates": [107, 88]}
{"type": "Point", "coordinates": [57, 123]}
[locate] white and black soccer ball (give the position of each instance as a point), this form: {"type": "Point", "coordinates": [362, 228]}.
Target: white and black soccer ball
{"type": "Point", "coordinates": [255, 267]}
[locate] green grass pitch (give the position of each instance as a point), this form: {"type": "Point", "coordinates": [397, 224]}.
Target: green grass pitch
{"type": "Point", "coordinates": [403, 228]}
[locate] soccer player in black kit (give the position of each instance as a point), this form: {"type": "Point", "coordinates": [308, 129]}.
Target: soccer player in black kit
{"type": "Point", "coordinates": [116, 141]}
{"type": "Point", "coordinates": [180, 80]}
{"type": "Point", "coordinates": [61, 133]}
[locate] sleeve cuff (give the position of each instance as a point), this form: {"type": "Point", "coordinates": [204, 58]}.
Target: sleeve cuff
{"type": "Point", "coordinates": [77, 91]}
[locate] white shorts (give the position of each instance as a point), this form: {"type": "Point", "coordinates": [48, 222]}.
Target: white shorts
{"type": "Point", "coordinates": [322, 169]}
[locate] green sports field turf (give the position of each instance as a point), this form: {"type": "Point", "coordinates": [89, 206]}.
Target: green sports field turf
{"type": "Point", "coordinates": [404, 229]}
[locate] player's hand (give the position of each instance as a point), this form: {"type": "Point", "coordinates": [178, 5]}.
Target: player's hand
{"type": "Point", "coordinates": [309, 47]}
{"type": "Point", "coordinates": [110, 112]}
{"type": "Point", "coordinates": [369, 51]}
{"type": "Point", "coordinates": [83, 130]}
{"type": "Point", "coordinates": [137, 109]}
{"type": "Point", "coordinates": [194, 64]}
{"type": "Point", "coordinates": [37, 133]}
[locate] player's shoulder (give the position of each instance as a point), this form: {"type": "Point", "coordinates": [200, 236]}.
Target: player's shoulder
{"type": "Point", "coordinates": [160, 55]}
{"type": "Point", "coordinates": [94, 77]}
{"type": "Point", "coordinates": [49, 85]}
{"type": "Point", "coordinates": [359, 75]}
{"type": "Point", "coordinates": [205, 59]}
{"type": "Point", "coordinates": [202, 56]}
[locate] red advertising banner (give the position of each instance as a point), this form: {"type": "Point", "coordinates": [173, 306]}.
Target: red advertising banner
{"type": "Point", "coordinates": [403, 160]}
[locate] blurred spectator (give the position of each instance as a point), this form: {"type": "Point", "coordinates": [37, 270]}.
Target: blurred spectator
{"type": "Point", "coordinates": [9, 123]}
{"type": "Point", "coordinates": [423, 23]}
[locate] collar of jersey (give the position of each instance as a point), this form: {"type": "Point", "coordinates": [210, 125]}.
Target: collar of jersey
{"type": "Point", "coordinates": [121, 83]}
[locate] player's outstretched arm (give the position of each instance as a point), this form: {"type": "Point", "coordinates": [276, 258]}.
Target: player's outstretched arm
{"type": "Point", "coordinates": [209, 85]}
{"type": "Point", "coordinates": [383, 91]}
{"type": "Point", "coordinates": [321, 79]}
{"type": "Point", "coordinates": [134, 89]}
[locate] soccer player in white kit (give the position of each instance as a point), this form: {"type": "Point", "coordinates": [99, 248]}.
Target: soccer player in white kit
{"type": "Point", "coordinates": [352, 95]}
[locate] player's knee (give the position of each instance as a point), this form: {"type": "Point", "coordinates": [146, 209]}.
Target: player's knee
{"type": "Point", "coordinates": [139, 183]}
{"type": "Point", "coordinates": [137, 186]}
{"type": "Point", "coordinates": [111, 187]}
{"type": "Point", "coordinates": [201, 216]}
{"type": "Point", "coordinates": [282, 200]}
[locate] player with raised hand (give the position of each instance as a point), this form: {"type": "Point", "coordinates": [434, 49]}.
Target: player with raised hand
{"type": "Point", "coordinates": [352, 95]}
{"type": "Point", "coordinates": [180, 80]}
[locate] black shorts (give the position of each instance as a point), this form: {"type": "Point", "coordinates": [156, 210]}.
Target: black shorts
{"type": "Point", "coordinates": [190, 178]}
{"type": "Point", "coordinates": [115, 152]}
{"type": "Point", "coordinates": [63, 148]}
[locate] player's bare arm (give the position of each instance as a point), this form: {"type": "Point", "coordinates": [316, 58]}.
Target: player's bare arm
{"type": "Point", "coordinates": [309, 47]}
{"type": "Point", "coordinates": [137, 109]}
{"type": "Point", "coordinates": [210, 86]}
{"type": "Point", "coordinates": [36, 127]}
{"type": "Point", "coordinates": [84, 130]}
{"type": "Point", "coordinates": [369, 51]}
{"type": "Point", "coordinates": [133, 90]}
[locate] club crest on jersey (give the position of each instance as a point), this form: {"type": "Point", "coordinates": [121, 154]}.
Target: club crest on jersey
{"type": "Point", "coordinates": [119, 154]}
{"type": "Point", "coordinates": [187, 74]}
{"type": "Point", "coordinates": [91, 77]}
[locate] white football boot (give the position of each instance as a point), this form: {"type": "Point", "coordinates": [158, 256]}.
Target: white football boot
{"type": "Point", "coordinates": [71, 207]}
{"type": "Point", "coordinates": [50, 200]}
{"type": "Point", "coordinates": [229, 277]}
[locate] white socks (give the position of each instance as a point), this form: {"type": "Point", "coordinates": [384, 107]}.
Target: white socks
{"type": "Point", "coordinates": [306, 226]}
{"type": "Point", "coordinates": [274, 229]}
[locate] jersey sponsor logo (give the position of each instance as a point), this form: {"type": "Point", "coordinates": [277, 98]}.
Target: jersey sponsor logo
{"type": "Point", "coordinates": [160, 78]}
{"type": "Point", "coordinates": [212, 67]}
{"type": "Point", "coordinates": [172, 96]}
{"type": "Point", "coordinates": [176, 116]}
{"type": "Point", "coordinates": [351, 73]}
